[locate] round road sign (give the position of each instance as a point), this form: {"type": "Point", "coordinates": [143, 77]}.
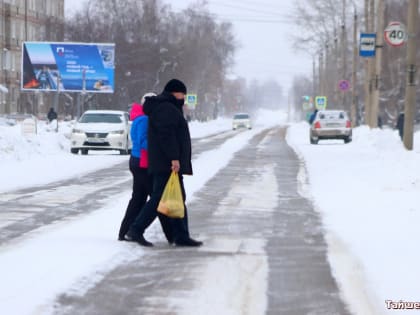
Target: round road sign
{"type": "Point", "coordinates": [344, 85]}
{"type": "Point", "coordinates": [395, 34]}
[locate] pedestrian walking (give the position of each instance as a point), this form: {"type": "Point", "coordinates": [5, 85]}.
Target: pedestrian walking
{"type": "Point", "coordinates": [169, 149]}
{"type": "Point", "coordinates": [52, 114]}
{"type": "Point", "coordinates": [313, 115]}
{"type": "Point", "coordinates": [400, 125]}
{"type": "Point", "coordinates": [138, 163]}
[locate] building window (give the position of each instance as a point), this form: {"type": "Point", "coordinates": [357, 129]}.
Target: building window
{"type": "Point", "coordinates": [13, 29]}
{"type": "Point", "coordinates": [22, 33]}
{"type": "Point", "coordinates": [13, 61]}
{"type": "Point", "coordinates": [6, 60]}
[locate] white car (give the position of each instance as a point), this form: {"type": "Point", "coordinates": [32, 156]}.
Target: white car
{"type": "Point", "coordinates": [241, 120]}
{"type": "Point", "coordinates": [330, 124]}
{"type": "Point", "coordinates": [101, 130]}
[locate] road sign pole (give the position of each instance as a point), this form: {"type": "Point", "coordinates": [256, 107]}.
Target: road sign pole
{"type": "Point", "coordinates": [378, 66]}
{"type": "Point", "coordinates": [354, 71]}
{"type": "Point", "coordinates": [372, 64]}
{"type": "Point", "coordinates": [410, 94]}
{"type": "Point", "coordinates": [366, 69]}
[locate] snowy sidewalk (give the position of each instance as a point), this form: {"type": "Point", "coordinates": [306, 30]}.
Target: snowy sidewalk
{"type": "Point", "coordinates": [264, 250]}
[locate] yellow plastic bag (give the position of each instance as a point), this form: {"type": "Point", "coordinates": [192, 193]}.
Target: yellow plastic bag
{"type": "Point", "coordinates": [172, 204]}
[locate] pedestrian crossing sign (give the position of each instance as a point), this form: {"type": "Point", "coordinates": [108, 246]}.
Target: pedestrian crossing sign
{"type": "Point", "coordinates": [321, 102]}
{"type": "Point", "coordinates": [191, 99]}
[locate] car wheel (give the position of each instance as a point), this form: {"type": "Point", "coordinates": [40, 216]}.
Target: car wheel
{"type": "Point", "coordinates": [347, 140]}
{"type": "Point", "coordinates": [84, 151]}
{"type": "Point", "coordinates": [74, 151]}
{"type": "Point", "coordinates": [125, 151]}
{"type": "Point", "coordinates": [313, 141]}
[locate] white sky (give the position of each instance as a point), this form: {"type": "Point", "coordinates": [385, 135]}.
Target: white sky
{"type": "Point", "coordinates": [265, 51]}
{"type": "Point", "coordinates": [366, 193]}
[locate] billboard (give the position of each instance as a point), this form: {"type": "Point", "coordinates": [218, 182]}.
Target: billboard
{"type": "Point", "coordinates": [68, 67]}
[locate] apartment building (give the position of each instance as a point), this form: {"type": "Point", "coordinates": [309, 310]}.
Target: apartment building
{"type": "Point", "coordinates": [25, 20]}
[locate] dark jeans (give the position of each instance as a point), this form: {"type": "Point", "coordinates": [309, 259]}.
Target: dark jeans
{"type": "Point", "coordinates": [178, 227]}
{"type": "Point", "coordinates": [142, 188]}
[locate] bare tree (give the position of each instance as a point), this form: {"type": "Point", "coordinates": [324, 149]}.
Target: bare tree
{"type": "Point", "coordinates": [155, 44]}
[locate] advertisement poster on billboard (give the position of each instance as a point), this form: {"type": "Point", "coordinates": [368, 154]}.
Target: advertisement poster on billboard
{"type": "Point", "coordinates": [68, 67]}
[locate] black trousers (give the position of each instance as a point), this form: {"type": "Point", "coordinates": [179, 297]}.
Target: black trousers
{"type": "Point", "coordinates": [142, 187]}
{"type": "Point", "coordinates": [178, 227]}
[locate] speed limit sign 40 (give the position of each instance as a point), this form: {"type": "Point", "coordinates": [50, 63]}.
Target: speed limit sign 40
{"type": "Point", "coordinates": [395, 34]}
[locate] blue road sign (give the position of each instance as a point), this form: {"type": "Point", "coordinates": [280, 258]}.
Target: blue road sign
{"type": "Point", "coordinates": [367, 45]}
{"type": "Point", "coordinates": [191, 99]}
{"type": "Point", "coordinates": [321, 102]}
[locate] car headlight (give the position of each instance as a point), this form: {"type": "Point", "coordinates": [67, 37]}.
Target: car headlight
{"type": "Point", "coordinates": [117, 132]}
{"type": "Point", "coordinates": [77, 131]}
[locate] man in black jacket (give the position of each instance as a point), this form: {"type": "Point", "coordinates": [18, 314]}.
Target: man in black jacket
{"type": "Point", "coordinates": [169, 149]}
{"type": "Point", "coordinates": [51, 114]}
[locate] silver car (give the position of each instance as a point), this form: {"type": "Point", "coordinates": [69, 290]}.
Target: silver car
{"type": "Point", "coordinates": [241, 120]}
{"type": "Point", "coordinates": [331, 124]}
{"type": "Point", "coordinates": [101, 130]}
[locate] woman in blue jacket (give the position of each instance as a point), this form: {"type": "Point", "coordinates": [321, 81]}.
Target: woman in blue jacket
{"type": "Point", "coordinates": [142, 181]}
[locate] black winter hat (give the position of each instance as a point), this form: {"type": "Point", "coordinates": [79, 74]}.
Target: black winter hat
{"type": "Point", "coordinates": [175, 85]}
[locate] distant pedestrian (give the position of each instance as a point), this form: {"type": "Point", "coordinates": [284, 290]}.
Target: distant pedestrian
{"type": "Point", "coordinates": [52, 115]}
{"type": "Point", "coordinates": [142, 181]}
{"type": "Point", "coordinates": [380, 123]}
{"type": "Point", "coordinates": [400, 125]}
{"type": "Point", "coordinates": [313, 115]}
{"type": "Point", "coordinates": [169, 145]}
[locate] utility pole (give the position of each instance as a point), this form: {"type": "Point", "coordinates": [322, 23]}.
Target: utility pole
{"type": "Point", "coordinates": [353, 111]}
{"type": "Point", "coordinates": [372, 68]}
{"type": "Point", "coordinates": [344, 53]}
{"type": "Point", "coordinates": [410, 90]}
{"type": "Point", "coordinates": [378, 65]}
{"type": "Point", "coordinates": [367, 68]}
{"type": "Point", "coordinates": [313, 79]}
{"type": "Point", "coordinates": [320, 75]}
{"type": "Point", "coordinates": [335, 73]}
{"type": "Point", "coordinates": [327, 67]}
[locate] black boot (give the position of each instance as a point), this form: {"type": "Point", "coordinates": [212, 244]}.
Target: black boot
{"type": "Point", "coordinates": [189, 242]}
{"type": "Point", "coordinates": [131, 237]}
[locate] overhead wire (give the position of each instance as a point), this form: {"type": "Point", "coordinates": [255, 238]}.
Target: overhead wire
{"type": "Point", "coordinates": [247, 12]}
{"type": "Point", "coordinates": [235, 18]}
{"type": "Point", "coordinates": [241, 15]}
{"type": "Point", "coordinates": [246, 9]}
{"type": "Point", "coordinates": [254, 3]}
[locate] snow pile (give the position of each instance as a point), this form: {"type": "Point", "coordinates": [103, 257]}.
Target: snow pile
{"type": "Point", "coordinates": [367, 193]}
{"type": "Point", "coordinates": [16, 146]}
{"type": "Point", "coordinates": [202, 129]}
{"type": "Point", "coordinates": [44, 157]}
